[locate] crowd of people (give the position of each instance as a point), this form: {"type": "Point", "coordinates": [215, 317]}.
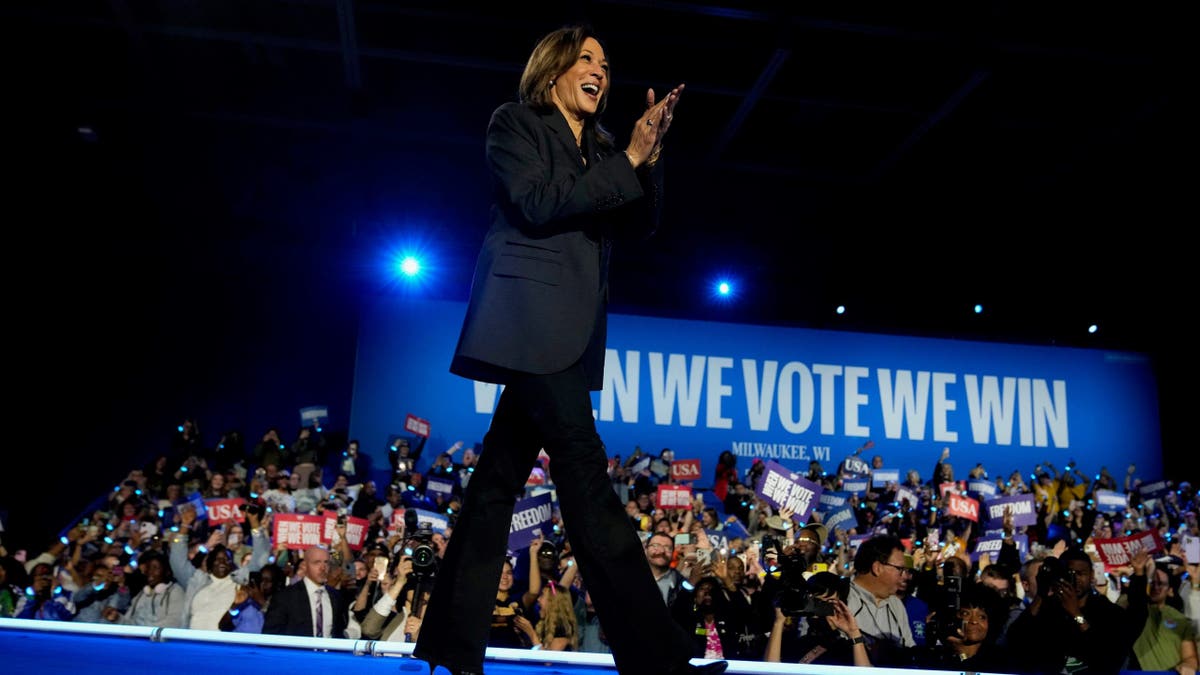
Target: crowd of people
{"type": "Point", "coordinates": [899, 583]}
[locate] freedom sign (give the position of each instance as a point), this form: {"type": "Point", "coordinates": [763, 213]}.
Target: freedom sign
{"type": "Point", "coordinates": [992, 544]}
{"type": "Point", "coordinates": [222, 511]}
{"type": "Point", "coordinates": [442, 486]}
{"type": "Point", "coordinates": [1119, 551]}
{"type": "Point", "coordinates": [356, 531]}
{"type": "Point", "coordinates": [1024, 510]}
{"type": "Point", "coordinates": [881, 477]}
{"type": "Point", "coordinates": [1154, 490]}
{"type": "Point", "coordinates": [531, 516]}
{"type": "Point", "coordinates": [673, 497]}
{"type": "Point", "coordinates": [685, 469]}
{"type": "Point", "coordinates": [297, 531]}
{"type": "Point", "coordinates": [782, 489]}
{"type": "Point", "coordinates": [831, 499]}
{"type": "Point", "coordinates": [982, 488]}
{"type": "Point", "coordinates": [1108, 501]}
{"type": "Point", "coordinates": [858, 487]}
{"type": "Point", "coordinates": [963, 507]}
{"type": "Point", "coordinates": [841, 519]}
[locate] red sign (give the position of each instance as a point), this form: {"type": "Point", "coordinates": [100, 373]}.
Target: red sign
{"type": "Point", "coordinates": [536, 477]}
{"type": "Point", "coordinates": [963, 507]}
{"type": "Point", "coordinates": [674, 497]}
{"type": "Point", "coordinates": [1120, 551]}
{"type": "Point", "coordinates": [416, 425]}
{"type": "Point", "coordinates": [397, 524]}
{"type": "Point", "coordinates": [960, 486]}
{"type": "Point", "coordinates": [297, 530]}
{"type": "Point", "coordinates": [224, 511]}
{"type": "Point", "coordinates": [685, 469]}
{"type": "Point", "coordinates": [356, 531]}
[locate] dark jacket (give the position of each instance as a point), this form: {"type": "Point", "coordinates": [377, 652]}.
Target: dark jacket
{"type": "Point", "coordinates": [291, 614]}
{"type": "Point", "coordinates": [541, 284]}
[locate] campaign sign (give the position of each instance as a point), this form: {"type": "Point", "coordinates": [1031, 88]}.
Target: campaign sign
{"type": "Point", "coordinates": [437, 522]}
{"type": "Point", "coordinates": [1120, 550]}
{"type": "Point", "coordinates": [673, 497]}
{"type": "Point", "coordinates": [963, 507]}
{"type": "Point", "coordinates": [397, 522]}
{"type": "Point", "coordinates": [416, 425]}
{"type": "Point", "coordinates": [856, 540]}
{"type": "Point", "coordinates": [856, 466]}
{"type": "Point", "coordinates": [907, 499]}
{"type": "Point", "coordinates": [952, 487]}
{"type": "Point", "coordinates": [881, 477]}
{"type": "Point", "coordinates": [197, 502]}
{"type": "Point", "coordinates": [297, 531]}
{"type": "Point", "coordinates": [442, 486]}
{"type": "Point", "coordinates": [735, 530]}
{"type": "Point", "coordinates": [858, 487]}
{"type": "Point", "coordinates": [831, 499]}
{"type": "Point", "coordinates": [1191, 547]}
{"type": "Point", "coordinates": [222, 511]}
{"type": "Point", "coordinates": [991, 545]}
{"type": "Point", "coordinates": [1024, 511]}
{"type": "Point", "coordinates": [356, 531]}
{"type": "Point", "coordinates": [1154, 490]}
{"type": "Point", "coordinates": [641, 465]}
{"type": "Point", "coordinates": [982, 488]}
{"type": "Point", "coordinates": [718, 539]}
{"type": "Point", "coordinates": [1108, 501]}
{"type": "Point", "coordinates": [782, 489]}
{"type": "Point", "coordinates": [529, 515]}
{"type": "Point", "coordinates": [685, 469]}
{"type": "Point", "coordinates": [841, 519]}
{"type": "Point", "coordinates": [314, 416]}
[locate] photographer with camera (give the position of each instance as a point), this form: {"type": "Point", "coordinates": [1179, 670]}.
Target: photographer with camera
{"type": "Point", "coordinates": [832, 635]}
{"type": "Point", "coordinates": [880, 571]}
{"type": "Point", "coordinates": [965, 638]}
{"type": "Point", "coordinates": [1069, 625]}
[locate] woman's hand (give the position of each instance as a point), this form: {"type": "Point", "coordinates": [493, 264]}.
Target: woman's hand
{"type": "Point", "coordinates": [646, 140]}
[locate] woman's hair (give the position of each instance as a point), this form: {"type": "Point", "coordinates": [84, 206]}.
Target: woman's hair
{"type": "Point", "coordinates": [558, 619]}
{"type": "Point", "coordinates": [552, 56]}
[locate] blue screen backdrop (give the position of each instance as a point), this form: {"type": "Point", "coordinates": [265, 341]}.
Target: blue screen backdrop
{"type": "Point", "coordinates": [788, 394]}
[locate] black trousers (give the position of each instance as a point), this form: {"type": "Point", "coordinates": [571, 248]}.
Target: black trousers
{"type": "Point", "coordinates": [552, 412]}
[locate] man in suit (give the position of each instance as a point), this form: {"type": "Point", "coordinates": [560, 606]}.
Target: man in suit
{"type": "Point", "coordinates": [308, 607]}
{"type": "Point", "coordinates": [536, 323]}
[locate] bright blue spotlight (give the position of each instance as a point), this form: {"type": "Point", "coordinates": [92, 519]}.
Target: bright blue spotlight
{"type": "Point", "coordinates": [979, 309]}
{"type": "Point", "coordinates": [841, 309]}
{"type": "Point", "coordinates": [1093, 328]}
{"type": "Point", "coordinates": [410, 266]}
{"type": "Point", "coordinates": [723, 288]}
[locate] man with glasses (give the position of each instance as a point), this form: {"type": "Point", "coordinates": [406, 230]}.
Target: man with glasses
{"type": "Point", "coordinates": [879, 574]}
{"type": "Point", "coordinates": [660, 549]}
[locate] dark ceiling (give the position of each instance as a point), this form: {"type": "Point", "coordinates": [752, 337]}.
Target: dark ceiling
{"type": "Point", "coordinates": [907, 163]}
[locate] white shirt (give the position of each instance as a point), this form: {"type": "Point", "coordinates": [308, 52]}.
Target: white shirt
{"type": "Point", "coordinates": [211, 603]}
{"type": "Point", "coordinates": [326, 607]}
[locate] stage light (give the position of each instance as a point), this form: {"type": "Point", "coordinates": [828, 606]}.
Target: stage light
{"type": "Point", "coordinates": [410, 266]}
{"type": "Point", "coordinates": [841, 309]}
{"type": "Point", "coordinates": [979, 309]}
{"type": "Point", "coordinates": [1093, 328]}
{"type": "Point", "coordinates": [723, 288]}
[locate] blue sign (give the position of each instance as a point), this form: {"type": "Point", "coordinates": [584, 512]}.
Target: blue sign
{"type": "Point", "coordinates": [841, 519]}
{"type": "Point", "coordinates": [1108, 501]}
{"type": "Point", "coordinates": [982, 488]}
{"type": "Point", "coordinates": [314, 416]}
{"type": "Point", "coordinates": [784, 489]}
{"type": "Point", "coordinates": [858, 487]}
{"type": "Point", "coordinates": [790, 395]}
{"type": "Point", "coordinates": [881, 477]}
{"type": "Point", "coordinates": [531, 516]}
{"type": "Point", "coordinates": [1024, 511]}
{"type": "Point", "coordinates": [443, 486]}
{"type": "Point", "coordinates": [437, 522]}
{"type": "Point", "coordinates": [831, 499]}
{"type": "Point", "coordinates": [991, 545]}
